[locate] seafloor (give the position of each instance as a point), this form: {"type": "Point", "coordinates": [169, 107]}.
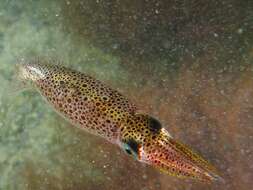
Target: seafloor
{"type": "Point", "coordinates": [189, 63]}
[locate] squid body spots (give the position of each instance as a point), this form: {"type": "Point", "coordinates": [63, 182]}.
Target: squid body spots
{"type": "Point", "coordinates": [84, 100]}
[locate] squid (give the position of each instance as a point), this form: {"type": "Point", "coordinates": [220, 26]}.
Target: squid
{"type": "Point", "coordinates": [91, 105]}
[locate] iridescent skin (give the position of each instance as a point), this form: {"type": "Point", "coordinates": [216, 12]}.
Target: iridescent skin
{"type": "Point", "coordinates": [100, 110]}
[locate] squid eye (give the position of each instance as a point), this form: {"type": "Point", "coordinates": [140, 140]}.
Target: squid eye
{"type": "Point", "coordinates": [131, 147]}
{"type": "Point", "coordinates": [154, 125]}
{"type": "Point", "coordinates": [128, 150]}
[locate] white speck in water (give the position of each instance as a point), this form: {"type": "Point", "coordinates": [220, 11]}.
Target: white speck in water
{"type": "Point", "coordinates": [242, 68]}
{"type": "Point", "coordinates": [242, 151]}
{"type": "Point", "coordinates": [144, 176]}
{"type": "Point", "coordinates": [240, 31]}
{"type": "Point", "coordinates": [115, 46]}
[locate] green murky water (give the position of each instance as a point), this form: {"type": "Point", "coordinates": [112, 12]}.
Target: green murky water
{"type": "Point", "coordinates": [189, 63]}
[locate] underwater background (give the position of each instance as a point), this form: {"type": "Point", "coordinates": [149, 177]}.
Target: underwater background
{"type": "Point", "coordinates": [188, 63]}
